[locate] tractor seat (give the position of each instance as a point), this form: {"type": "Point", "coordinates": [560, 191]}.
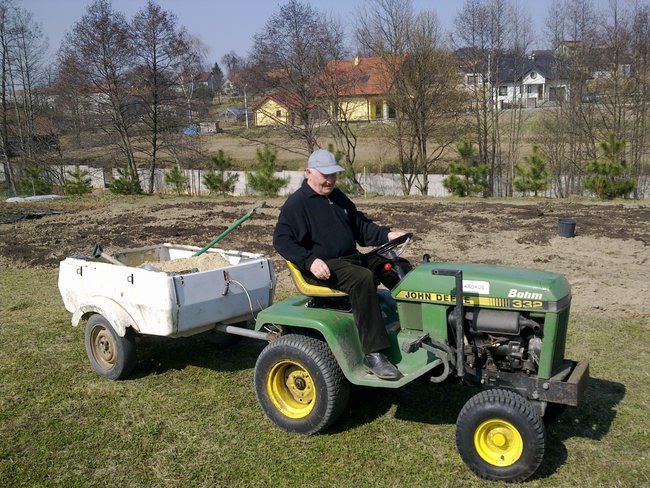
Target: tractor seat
{"type": "Point", "coordinates": [311, 290]}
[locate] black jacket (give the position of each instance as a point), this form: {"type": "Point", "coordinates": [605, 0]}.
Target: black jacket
{"type": "Point", "coordinates": [313, 226]}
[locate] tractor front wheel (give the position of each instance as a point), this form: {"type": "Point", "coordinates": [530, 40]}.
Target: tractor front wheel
{"type": "Point", "coordinates": [299, 384]}
{"type": "Point", "coordinates": [500, 436]}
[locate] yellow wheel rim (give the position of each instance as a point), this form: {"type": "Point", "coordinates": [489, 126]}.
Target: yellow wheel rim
{"type": "Point", "coordinates": [291, 389]}
{"type": "Point", "coordinates": [498, 442]}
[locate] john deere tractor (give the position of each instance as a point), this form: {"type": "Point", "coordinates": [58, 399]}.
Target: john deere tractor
{"type": "Point", "coordinates": [500, 329]}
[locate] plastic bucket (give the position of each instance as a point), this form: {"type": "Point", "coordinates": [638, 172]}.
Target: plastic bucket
{"type": "Point", "coordinates": [566, 227]}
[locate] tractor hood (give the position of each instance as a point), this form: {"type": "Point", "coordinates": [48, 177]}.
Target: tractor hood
{"type": "Point", "coordinates": [487, 286]}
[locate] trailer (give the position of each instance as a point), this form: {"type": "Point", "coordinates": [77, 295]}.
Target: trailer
{"type": "Point", "coordinates": [128, 293]}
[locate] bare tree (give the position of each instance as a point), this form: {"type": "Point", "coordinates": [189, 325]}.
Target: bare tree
{"type": "Point", "coordinates": [483, 32]}
{"type": "Point", "coordinates": [568, 140]}
{"type": "Point", "coordinates": [101, 46]}
{"type": "Point", "coordinates": [518, 60]}
{"type": "Point", "coordinates": [620, 80]}
{"type": "Point", "coordinates": [425, 85]}
{"type": "Point", "coordinates": [161, 50]}
{"type": "Point", "coordinates": [640, 96]}
{"type": "Point", "coordinates": [22, 44]}
{"type": "Point", "coordinates": [289, 55]}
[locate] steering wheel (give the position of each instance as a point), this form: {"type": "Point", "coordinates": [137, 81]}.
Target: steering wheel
{"type": "Point", "coordinates": [393, 249]}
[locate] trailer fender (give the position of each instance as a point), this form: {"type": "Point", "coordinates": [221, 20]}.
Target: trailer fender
{"type": "Point", "coordinates": [119, 318]}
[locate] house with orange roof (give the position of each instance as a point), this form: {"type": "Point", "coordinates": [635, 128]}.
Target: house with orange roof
{"type": "Point", "coordinates": [357, 89]}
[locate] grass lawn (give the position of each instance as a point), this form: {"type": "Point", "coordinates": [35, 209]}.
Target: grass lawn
{"type": "Point", "coordinates": [189, 415]}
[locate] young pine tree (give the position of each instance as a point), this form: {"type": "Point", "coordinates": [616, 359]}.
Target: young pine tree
{"type": "Point", "coordinates": [176, 179]}
{"type": "Point", "coordinates": [609, 178]}
{"type": "Point", "coordinates": [125, 183]}
{"type": "Point", "coordinates": [34, 182]}
{"type": "Point", "coordinates": [78, 183]}
{"type": "Point", "coordinates": [533, 176]}
{"type": "Point", "coordinates": [467, 177]}
{"type": "Point", "coordinates": [217, 179]}
{"type": "Point", "coordinates": [264, 180]}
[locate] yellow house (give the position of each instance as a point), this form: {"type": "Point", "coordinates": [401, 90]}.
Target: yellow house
{"type": "Point", "coordinates": [275, 109]}
{"type": "Point", "coordinates": [358, 89]}
{"type": "Point", "coordinates": [355, 90]}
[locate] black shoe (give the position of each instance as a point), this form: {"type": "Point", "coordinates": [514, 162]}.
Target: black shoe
{"type": "Point", "coordinates": [380, 366]}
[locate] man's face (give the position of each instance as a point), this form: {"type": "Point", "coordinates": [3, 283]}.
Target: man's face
{"type": "Point", "coordinates": [320, 183]}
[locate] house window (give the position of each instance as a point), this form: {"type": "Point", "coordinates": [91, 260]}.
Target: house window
{"type": "Point", "coordinates": [557, 94]}
{"type": "Point", "coordinates": [531, 89]}
{"type": "Point", "coordinates": [472, 79]}
{"type": "Point", "coordinates": [379, 109]}
{"type": "Point", "coordinates": [391, 111]}
{"type": "Point", "coordinates": [503, 91]}
{"type": "Point", "coordinates": [278, 113]}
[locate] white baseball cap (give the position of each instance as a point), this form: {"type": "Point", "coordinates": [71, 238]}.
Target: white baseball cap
{"type": "Point", "coordinates": [324, 162]}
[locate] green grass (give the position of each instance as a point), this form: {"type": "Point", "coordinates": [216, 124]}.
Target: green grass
{"type": "Point", "coordinates": [189, 415]}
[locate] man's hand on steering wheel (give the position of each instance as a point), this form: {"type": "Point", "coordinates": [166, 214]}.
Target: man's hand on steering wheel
{"type": "Point", "coordinates": [394, 234]}
{"type": "Point", "coordinates": [397, 243]}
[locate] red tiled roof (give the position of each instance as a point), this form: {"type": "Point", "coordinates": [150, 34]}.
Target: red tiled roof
{"type": "Point", "coordinates": [358, 77]}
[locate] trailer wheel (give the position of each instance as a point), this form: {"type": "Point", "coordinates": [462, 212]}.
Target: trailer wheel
{"type": "Point", "coordinates": [299, 384]}
{"type": "Point", "coordinates": [110, 355]}
{"type": "Point", "coordinates": [500, 436]}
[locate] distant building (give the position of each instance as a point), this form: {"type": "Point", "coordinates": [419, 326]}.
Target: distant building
{"type": "Point", "coordinates": [235, 114]}
{"type": "Point", "coordinates": [516, 81]}
{"type": "Point", "coordinates": [357, 89]}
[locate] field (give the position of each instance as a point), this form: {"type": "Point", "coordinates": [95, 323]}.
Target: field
{"type": "Point", "coordinates": [189, 416]}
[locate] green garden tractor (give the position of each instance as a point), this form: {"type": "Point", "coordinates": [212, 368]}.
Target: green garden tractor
{"type": "Point", "coordinates": [500, 329]}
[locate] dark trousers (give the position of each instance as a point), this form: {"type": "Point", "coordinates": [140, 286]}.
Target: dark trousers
{"type": "Point", "coordinates": [358, 275]}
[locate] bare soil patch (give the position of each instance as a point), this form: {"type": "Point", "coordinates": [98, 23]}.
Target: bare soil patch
{"type": "Point", "coordinates": [607, 261]}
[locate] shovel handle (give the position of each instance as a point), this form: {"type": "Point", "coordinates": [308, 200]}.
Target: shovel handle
{"type": "Point", "coordinates": [98, 252]}
{"type": "Point", "coordinates": [230, 229]}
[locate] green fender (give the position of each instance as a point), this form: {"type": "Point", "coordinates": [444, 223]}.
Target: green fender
{"type": "Point", "coordinates": [340, 333]}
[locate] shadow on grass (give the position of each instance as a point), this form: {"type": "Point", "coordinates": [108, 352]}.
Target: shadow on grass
{"type": "Point", "coordinates": [441, 404]}
{"type": "Point", "coordinates": [416, 402]}
{"type": "Point", "coordinates": [156, 355]}
{"type": "Point", "coordinates": [591, 420]}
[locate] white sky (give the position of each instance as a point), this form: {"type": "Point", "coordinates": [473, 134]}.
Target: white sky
{"type": "Point", "coordinates": [229, 25]}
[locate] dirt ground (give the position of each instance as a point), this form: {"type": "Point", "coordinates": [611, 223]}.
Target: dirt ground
{"type": "Point", "coordinates": [607, 262]}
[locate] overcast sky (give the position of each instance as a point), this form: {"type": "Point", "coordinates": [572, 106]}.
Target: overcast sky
{"type": "Point", "coordinates": [229, 25]}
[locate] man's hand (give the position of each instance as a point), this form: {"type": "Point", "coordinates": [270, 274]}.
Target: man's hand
{"type": "Point", "coordinates": [319, 269]}
{"type": "Point", "coordinates": [395, 234]}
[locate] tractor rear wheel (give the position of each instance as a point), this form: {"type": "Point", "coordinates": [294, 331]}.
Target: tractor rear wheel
{"type": "Point", "coordinates": [500, 436]}
{"type": "Point", "coordinates": [299, 384]}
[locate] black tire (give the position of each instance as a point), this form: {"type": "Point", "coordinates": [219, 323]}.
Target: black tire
{"type": "Point", "coordinates": [110, 355]}
{"type": "Point", "coordinates": [500, 436]}
{"type": "Point", "coordinates": [299, 384]}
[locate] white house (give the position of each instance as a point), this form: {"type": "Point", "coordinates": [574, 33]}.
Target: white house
{"type": "Point", "coordinates": [531, 82]}
{"type": "Point", "coordinates": [516, 81]}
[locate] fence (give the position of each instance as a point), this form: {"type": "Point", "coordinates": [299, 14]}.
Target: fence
{"type": "Point", "coordinates": [380, 183]}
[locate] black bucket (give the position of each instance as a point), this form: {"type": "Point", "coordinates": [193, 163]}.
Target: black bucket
{"type": "Point", "coordinates": [566, 227]}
